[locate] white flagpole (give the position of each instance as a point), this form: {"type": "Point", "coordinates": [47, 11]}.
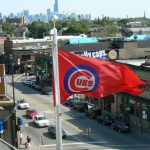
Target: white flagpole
{"type": "Point", "coordinates": [57, 92]}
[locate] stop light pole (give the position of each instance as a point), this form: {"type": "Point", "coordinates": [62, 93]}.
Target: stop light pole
{"type": "Point", "coordinates": [14, 132]}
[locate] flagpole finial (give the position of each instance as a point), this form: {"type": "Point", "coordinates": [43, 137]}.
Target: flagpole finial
{"type": "Point", "coordinates": [55, 18]}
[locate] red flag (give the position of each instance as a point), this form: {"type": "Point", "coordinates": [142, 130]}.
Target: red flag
{"type": "Point", "coordinates": [94, 77]}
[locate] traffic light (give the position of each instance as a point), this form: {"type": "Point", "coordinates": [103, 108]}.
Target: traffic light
{"type": "Point", "coordinates": [5, 124]}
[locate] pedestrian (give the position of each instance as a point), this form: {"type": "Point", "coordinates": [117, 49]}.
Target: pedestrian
{"type": "Point", "coordinates": [26, 145]}
{"type": "Point", "coordinates": [29, 145]}
{"type": "Point", "coordinates": [28, 139]}
{"type": "Point", "coordinates": [20, 137]}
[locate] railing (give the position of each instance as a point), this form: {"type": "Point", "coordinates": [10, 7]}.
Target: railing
{"type": "Point", "coordinates": [6, 146]}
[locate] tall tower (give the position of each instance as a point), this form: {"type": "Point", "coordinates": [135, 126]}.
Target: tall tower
{"type": "Point", "coordinates": [56, 7]}
{"type": "Point", "coordinates": [144, 15]}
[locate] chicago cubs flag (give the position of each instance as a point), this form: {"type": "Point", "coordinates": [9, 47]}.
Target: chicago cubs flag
{"type": "Point", "coordinates": [94, 77]}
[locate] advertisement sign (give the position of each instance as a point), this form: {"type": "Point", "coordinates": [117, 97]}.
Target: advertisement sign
{"type": "Point", "coordinates": [101, 54]}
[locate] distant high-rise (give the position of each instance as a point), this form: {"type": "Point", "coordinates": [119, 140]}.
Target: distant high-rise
{"type": "Point", "coordinates": [26, 13]}
{"type": "Point", "coordinates": [1, 17]}
{"type": "Point", "coordinates": [56, 7]}
{"type": "Point", "coordinates": [49, 14]}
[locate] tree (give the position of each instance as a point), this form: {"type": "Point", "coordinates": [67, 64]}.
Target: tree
{"type": "Point", "coordinates": [38, 29]}
{"type": "Point", "coordinates": [9, 28]}
{"type": "Point", "coordinates": [111, 30]}
{"type": "Point", "coordinates": [77, 27]}
{"type": "Point", "coordinates": [123, 22]}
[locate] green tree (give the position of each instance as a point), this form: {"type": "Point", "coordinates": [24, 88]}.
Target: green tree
{"type": "Point", "coordinates": [77, 27]}
{"type": "Point", "coordinates": [123, 22]}
{"type": "Point", "coordinates": [9, 28]}
{"type": "Point", "coordinates": [38, 29]}
{"type": "Point", "coordinates": [111, 30]}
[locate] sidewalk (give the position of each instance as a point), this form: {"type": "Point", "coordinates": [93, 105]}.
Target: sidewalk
{"type": "Point", "coordinates": [22, 146]}
{"type": "Point", "coordinates": [141, 131]}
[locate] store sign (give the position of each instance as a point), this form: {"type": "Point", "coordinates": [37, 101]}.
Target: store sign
{"type": "Point", "coordinates": [101, 54]}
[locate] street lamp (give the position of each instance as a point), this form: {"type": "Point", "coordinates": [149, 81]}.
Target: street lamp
{"type": "Point", "coordinates": [12, 75]}
{"type": "Point", "coordinates": [14, 98]}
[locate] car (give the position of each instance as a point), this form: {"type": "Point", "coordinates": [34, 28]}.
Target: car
{"type": "Point", "coordinates": [41, 121]}
{"type": "Point", "coordinates": [81, 106]}
{"type": "Point", "coordinates": [105, 119]}
{"type": "Point", "coordinates": [30, 113]}
{"type": "Point", "coordinates": [121, 126]}
{"type": "Point", "coordinates": [23, 104]}
{"type": "Point", "coordinates": [52, 132]}
{"type": "Point", "coordinates": [27, 81]}
{"type": "Point", "coordinates": [70, 102]}
{"type": "Point", "coordinates": [93, 112]}
{"type": "Point", "coordinates": [47, 90]}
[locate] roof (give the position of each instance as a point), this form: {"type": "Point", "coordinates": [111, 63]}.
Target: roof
{"type": "Point", "coordinates": [30, 40]}
{"type": "Point", "coordinates": [86, 47]}
{"type": "Point", "coordinates": [138, 37]}
{"type": "Point", "coordinates": [82, 40]}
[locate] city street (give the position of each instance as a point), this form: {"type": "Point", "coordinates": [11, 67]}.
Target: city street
{"type": "Point", "coordinates": [74, 123]}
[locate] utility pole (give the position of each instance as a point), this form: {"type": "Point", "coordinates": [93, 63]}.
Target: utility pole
{"type": "Point", "coordinates": [14, 100]}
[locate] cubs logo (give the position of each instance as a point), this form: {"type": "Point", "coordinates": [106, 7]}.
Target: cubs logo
{"type": "Point", "coordinates": [80, 79]}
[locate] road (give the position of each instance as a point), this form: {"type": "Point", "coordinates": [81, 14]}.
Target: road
{"type": "Point", "coordinates": [75, 124]}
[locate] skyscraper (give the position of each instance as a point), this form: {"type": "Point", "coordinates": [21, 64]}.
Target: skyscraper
{"type": "Point", "coordinates": [26, 13]}
{"type": "Point", "coordinates": [49, 14]}
{"type": "Point", "coordinates": [56, 7]}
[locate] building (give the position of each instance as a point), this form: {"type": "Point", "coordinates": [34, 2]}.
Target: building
{"type": "Point", "coordinates": [56, 11]}
{"type": "Point", "coordinates": [2, 39]}
{"type": "Point", "coordinates": [23, 52]}
{"type": "Point", "coordinates": [137, 106]}
{"type": "Point", "coordinates": [7, 112]}
{"type": "Point", "coordinates": [19, 21]}
{"type": "Point", "coordinates": [49, 14]}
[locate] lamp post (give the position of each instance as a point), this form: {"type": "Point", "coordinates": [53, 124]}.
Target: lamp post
{"type": "Point", "coordinates": [12, 75]}
{"type": "Point", "coordinates": [14, 98]}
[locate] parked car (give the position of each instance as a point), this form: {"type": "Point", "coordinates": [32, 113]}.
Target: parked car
{"type": "Point", "coordinates": [70, 102]}
{"type": "Point", "coordinates": [27, 81]}
{"type": "Point", "coordinates": [47, 90]}
{"type": "Point", "coordinates": [52, 131]}
{"type": "Point", "coordinates": [121, 126]}
{"type": "Point", "coordinates": [93, 112]}
{"type": "Point", "coordinates": [30, 113]}
{"type": "Point", "coordinates": [81, 106]}
{"type": "Point", "coordinates": [41, 121]}
{"type": "Point", "coordinates": [105, 119]}
{"type": "Point", "coordinates": [22, 104]}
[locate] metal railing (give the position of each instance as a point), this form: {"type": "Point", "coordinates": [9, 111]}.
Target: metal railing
{"type": "Point", "coordinates": [6, 146]}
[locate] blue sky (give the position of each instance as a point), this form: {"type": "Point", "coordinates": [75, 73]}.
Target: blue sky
{"type": "Point", "coordinates": [112, 8]}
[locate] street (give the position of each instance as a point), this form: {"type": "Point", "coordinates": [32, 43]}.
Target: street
{"type": "Point", "coordinates": [74, 123]}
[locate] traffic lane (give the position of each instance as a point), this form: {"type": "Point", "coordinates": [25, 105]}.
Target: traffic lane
{"type": "Point", "coordinates": [106, 133]}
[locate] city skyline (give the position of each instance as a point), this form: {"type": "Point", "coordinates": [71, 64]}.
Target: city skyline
{"type": "Point", "coordinates": [97, 8]}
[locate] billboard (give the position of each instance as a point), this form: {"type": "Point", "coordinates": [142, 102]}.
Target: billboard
{"type": "Point", "coordinates": [101, 54]}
